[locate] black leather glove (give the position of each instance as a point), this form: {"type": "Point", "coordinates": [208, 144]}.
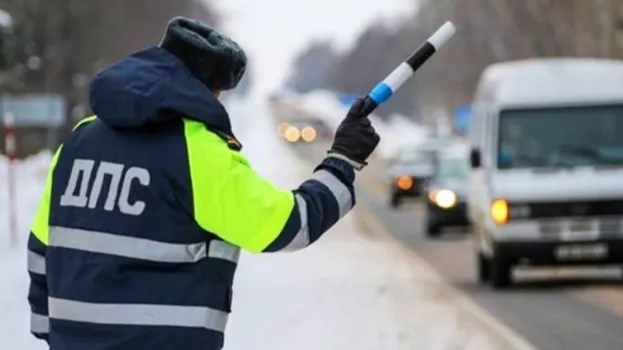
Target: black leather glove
{"type": "Point", "coordinates": [355, 138]}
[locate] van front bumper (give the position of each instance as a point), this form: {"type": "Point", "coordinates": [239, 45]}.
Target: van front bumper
{"type": "Point", "coordinates": [595, 252]}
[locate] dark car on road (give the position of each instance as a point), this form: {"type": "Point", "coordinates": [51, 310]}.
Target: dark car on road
{"type": "Point", "coordinates": [408, 173]}
{"type": "Point", "coordinates": [446, 194]}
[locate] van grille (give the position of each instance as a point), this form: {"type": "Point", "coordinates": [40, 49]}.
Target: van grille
{"type": "Point", "coordinates": [543, 210]}
{"type": "Point", "coordinates": [602, 226]}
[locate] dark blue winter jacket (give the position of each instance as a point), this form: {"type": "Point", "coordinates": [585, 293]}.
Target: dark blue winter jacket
{"type": "Point", "coordinates": [145, 208]}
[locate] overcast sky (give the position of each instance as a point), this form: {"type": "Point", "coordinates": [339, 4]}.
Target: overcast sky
{"type": "Point", "coordinates": [273, 31]}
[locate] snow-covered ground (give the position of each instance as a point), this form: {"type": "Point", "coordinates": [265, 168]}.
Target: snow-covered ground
{"type": "Point", "coordinates": [14, 311]}
{"type": "Point", "coordinates": [346, 292]}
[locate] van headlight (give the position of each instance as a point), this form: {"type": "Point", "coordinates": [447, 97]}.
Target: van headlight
{"type": "Point", "coordinates": [499, 211]}
{"type": "Point", "coordinates": [445, 199]}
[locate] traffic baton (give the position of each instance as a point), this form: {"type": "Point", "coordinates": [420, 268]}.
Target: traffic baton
{"type": "Point", "coordinates": [384, 90]}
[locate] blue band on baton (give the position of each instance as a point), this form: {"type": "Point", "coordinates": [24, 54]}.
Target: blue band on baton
{"type": "Point", "coordinates": [381, 93]}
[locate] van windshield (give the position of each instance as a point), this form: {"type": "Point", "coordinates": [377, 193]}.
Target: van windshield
{"type": "Point", "coordinates": [560, 137]}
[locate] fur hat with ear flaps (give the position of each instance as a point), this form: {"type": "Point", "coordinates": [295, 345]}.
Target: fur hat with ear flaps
{"type": "Point", "coordinates": [215, 59]}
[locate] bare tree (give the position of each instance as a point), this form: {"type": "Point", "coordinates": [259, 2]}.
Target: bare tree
{"type": "Point", "coordinates": [61, 44]}
{"type": "Point", "coordinates": [311, 67]}
{"type": "Point", "coordinates": [488, 31]}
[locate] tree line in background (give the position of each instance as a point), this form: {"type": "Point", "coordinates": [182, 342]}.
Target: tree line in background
{"type": "Point", "coordinates": [56, 46]}
{"type": "Point", "coordinates": [488, 31]}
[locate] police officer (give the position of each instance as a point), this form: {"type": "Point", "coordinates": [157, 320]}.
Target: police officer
{"type": "Point", "coordinates": [148, 203]}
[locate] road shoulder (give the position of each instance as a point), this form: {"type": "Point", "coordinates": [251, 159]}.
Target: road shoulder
{"type": "Point", "coordinates": [503, 336]}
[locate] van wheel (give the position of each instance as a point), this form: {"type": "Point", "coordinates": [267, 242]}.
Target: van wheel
{"type": "Point", "coordinates": [499, 272]}
{"type": "Point", "coordinates": [483, 268]}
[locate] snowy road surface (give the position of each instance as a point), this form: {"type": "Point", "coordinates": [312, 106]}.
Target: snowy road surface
{"type": "Point", "coordinates": [346, 292]}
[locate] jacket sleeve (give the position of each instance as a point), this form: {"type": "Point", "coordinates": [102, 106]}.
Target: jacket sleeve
{"type": "Point", "coordinates": [36, 262]}
{"type": "Point", "coordinates": [235, 203]}
{"type": "Point", "coordinates": [319, 203]}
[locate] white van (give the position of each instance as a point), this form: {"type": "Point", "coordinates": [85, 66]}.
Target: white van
{"type": "Point", "coordinates": [546, 153]}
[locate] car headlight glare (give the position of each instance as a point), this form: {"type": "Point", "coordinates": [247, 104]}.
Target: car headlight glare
{"type": "Point", "coordinates": [292, 134]}
{"type": "Point", "coordinates": [431, 195]}
{"type": "Point", "coordinates": [281, 129]}
{"type": "Point", "coordinates": [404, 182]}
{"type": "Point", "coordinates": [308, 134]}
{"type": "Point", "coordinates": [445, 199]}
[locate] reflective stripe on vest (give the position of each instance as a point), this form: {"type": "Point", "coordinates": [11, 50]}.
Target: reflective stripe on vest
{"type": "Point", "coordinates": [338, 189]}
{"type": "Point", "coordinates": [138, 314]}
{"type": "Point", "coordinates": [39, 324]}
{"type": "Point", "coordinates": [301, 240]}
{"type": "Point", "coordinates": [140, 248]}
{"type": "Point", "coordinates": [342, 196]}
{"type": "Point", "coordinates": [36, 263]}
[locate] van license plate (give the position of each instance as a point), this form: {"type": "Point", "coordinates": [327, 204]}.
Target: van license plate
{"type": "Point", "coordinates": [596, 251]}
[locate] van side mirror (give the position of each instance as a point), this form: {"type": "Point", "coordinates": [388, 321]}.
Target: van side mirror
{"type": "Point", "coordinates": [474, 158]}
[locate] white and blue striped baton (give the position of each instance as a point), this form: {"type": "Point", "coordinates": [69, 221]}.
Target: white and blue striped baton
{"type": "Point", "coordinates": [384, 90]}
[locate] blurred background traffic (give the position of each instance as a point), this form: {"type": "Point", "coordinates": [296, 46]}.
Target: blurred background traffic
{"type": "Point", "coordinates": [503, 152]}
